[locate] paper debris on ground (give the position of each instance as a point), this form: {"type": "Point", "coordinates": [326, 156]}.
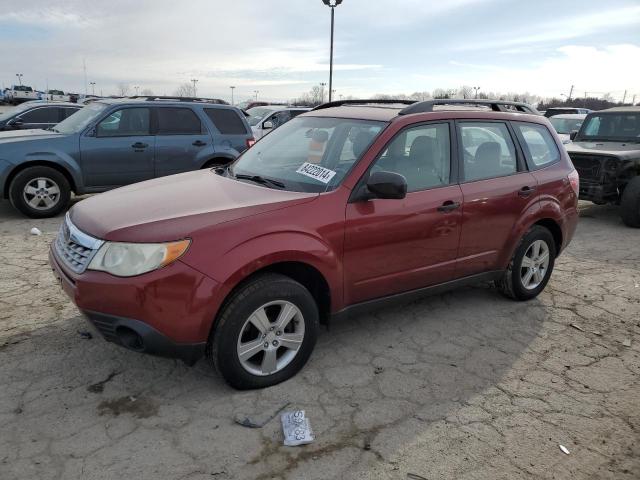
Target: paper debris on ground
{"type": "Point", "coordinates": [35, 231]}
{"type": "Point", "coordinates": [296, 428]}
{"type": "Point", "coordinates": [576, 326]}
{"type": "Point", "coordinates": [564, 449]}
{"type": "Point", "coordinates": [626, 342]}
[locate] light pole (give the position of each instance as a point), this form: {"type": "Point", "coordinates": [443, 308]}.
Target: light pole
{"type": "Point", "coordinates": [93, 87]}
{"type": "Point", "coordinates": [194, 81]}
{"type": "Point", "coordinates": [256, 92]}
{"type": "Point", "coordinates": [322, 85]}
{"type": "Point", "coordinates": [232, 89]}
{"type": "Point", "coordinates": [333, 4]}
{"type": "Point", "coordinates": [19, 75]}
{"type": "Point", "coordinates": [476, 89]}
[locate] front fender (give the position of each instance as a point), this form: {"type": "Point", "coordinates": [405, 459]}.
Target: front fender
{"type": "Point", "coordinates": [61, 159]}
{"type": "Point", "coordinates": [233, 266]}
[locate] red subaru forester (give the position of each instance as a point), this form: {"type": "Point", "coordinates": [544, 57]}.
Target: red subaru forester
{"type": "Point", "coordinates": [349, 206]}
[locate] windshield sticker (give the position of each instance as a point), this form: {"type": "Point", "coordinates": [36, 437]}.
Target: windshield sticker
{"type": "Point", "coordinates": [316, 172]}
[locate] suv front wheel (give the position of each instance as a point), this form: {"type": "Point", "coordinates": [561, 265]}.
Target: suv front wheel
{"type": "Point", "coordinates": [630, 203]}
{"type": "Point", "coordinates": [265, 333]}
{"type": "Point", "coordinates": [39, 192]}
{"type": "Point", "coordinates": [531, 265]}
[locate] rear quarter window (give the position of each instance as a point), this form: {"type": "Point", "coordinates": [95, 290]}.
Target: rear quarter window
{"type": "Point", "coordinates": [539, 146]}
{"type": "Point", "coordinates": [227, 121]}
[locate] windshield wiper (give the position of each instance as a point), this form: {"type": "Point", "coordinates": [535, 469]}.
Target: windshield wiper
{"type": "Point", "coordinates": [260, 180]}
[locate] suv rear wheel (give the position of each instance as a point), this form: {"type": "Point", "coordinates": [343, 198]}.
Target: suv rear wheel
{"type": "Point", "coordinates": [265, 333]}
{"type": "Point", "coordinates": [630, 203]}
{"type": "Point", "coordinates": [39, 192]}
{"type": "Point", "coordinates": [531, 265]}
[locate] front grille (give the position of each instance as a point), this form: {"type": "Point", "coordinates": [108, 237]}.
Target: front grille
{"type": "Point", "coordinates": [75, 248]}
{"type": "Point", "coordinates": [588, 167]}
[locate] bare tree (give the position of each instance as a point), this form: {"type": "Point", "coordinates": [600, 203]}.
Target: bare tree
{"type": "Point", "coordinates": [147, 92]}
{"type": "Point", "coordinates": [465, 92]}
{"type": "Point", "coordinates": [441, 93]}
{"type": "Point", "coordinates": [123, 89]}
{"type": "Point", "coordinates": [185, 90]}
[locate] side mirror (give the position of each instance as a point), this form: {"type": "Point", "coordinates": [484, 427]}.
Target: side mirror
{"type": "Point", "coordinates": [388, 185]}
{"type": "Point", "coordinates": [267, 125]}
{"type": "Point", "coordinates": [573, 134]}
{"type": "Point", "coordinates": [16, 122]}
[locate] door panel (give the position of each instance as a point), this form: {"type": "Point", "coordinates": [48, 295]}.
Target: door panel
{"type": "Point", "coordinates": [497, 193]}
{"type": "Point", "coordinates": [122, 151]}
{"type": "Point", "coordinates": [181, 142]}
{"type": "Point", "coordinates": [393, 246]}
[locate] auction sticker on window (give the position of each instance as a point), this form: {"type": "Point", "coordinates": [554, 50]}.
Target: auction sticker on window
{"type": "Point", "coordinates": [316, 172]}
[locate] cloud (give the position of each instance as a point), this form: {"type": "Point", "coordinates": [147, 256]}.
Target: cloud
{"type": "Point", "coordinates": [608, 69]}
{"type": "Point", "coordinates": [568, 28]}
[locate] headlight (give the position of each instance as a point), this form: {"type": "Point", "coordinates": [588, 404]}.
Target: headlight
{"type": "Point", "coordinates": [129, 259]}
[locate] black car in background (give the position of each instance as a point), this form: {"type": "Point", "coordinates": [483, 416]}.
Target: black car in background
{"type": "Point", "coordinates": [36, 114]}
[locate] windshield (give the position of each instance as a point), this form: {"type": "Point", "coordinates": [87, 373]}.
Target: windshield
{"type": "Point", "coordinates": [79, 120]}
{"type": "Point", "coordinates": [566, 125]}
{"type": "Point", "coordinates": [257, 114]}
{"type": "Point", "coordinates": [309, 154]}
{"type": "Point", "coordinates": [15, 110]}
{"type": "Point", "coordinates": [615, 127]}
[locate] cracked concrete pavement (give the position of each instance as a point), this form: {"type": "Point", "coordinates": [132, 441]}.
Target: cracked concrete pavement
{"type": "Point", "coordinates": [465, 385]}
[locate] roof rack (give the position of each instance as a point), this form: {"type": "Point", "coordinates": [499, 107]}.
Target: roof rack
{"type": "Point", "coordinates": [152, 98]}
{"type": "Point", "coordinates": [495, 105]}
{"type": "Point", "coordinates": [339, 103]}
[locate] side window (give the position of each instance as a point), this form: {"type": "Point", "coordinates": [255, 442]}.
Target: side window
{"type": "Point", "coordinates": [178, 121]}
{"type": "Point", "coordinates": [488, 150]}
{"type": "Point", "coordinates": [280, 118]}
{"type": "Point", "coordinates": [227, 121]}
{"type": "Point", "coordinates": [125, 122]}
{"type": "Point", "coordinates": [41, 115]}
{"type": "Point", "coordinates": [421, 154]}
{"type": "Point", "coordinates": [539, 146]}
{"type": "Point", "coordinates": [67, 112]}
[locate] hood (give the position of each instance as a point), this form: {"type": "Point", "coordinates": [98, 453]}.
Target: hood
{"type": "Point", "coordinates": [624, 150]}
{"type": "Point", "coordinates": [11, 136]}
{"type": "Point", "coordinates": [175, 207]}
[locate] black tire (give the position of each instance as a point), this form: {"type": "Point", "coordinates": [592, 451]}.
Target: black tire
{"type": "Point", "coordinates": [511, 284]}
{"type": "Point", "coordinates": [630, 203]}
{"type": "Point", "coordinates": [30, 174]}
{"type": "Point", "coordinates": [222, 347]}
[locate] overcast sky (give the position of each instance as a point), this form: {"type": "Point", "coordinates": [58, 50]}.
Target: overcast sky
{"type": "Point", "coordinates": [281, 47]}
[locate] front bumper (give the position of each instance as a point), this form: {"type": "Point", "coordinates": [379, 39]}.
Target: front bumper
{"type": "Point", "coordinates": [168, 312]}
{"type": "Point", "coordinates": [140, 337]}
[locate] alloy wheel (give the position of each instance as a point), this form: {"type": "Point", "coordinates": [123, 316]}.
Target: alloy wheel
{"type": "Point", "coordinates": [270, 338]}
{"type": "Point", "coordinates": [41, 193]}
{"type": "Point", "coordinates": [535, 265]}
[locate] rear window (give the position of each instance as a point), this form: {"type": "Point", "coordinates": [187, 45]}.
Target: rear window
{"type": "Point", "coordinates": [178, 121]}
{"type": "Point", "coordinates": [227, 121]}
{"type": "Point", "coordinates": [539, 146]}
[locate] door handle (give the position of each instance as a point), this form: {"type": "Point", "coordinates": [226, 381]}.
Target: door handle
{"type": "Point", "coordinates": [526, 191]}
{"type": "Point", "coordinates": [140, 145]}
{"type": "Point", "coordinates": [199, 143]}
{"type": "Point", "coordinates": [448, 206]}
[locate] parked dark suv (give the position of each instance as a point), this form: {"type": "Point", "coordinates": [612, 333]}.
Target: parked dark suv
{"type": "Point", "coordinates": [111, 143]}
{"type": "Point", "coordinates": [606, 153]}
{"type": "Point", "coordinates": [344, 208]}
{"type": "Point", "coordinates": [36, 114]}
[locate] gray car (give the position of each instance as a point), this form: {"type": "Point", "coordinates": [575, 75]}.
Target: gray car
{"type": "Point", "coordinates": [111, 143]}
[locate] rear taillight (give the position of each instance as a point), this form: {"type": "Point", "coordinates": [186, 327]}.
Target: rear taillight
{"type": "Point", "coordinates": [250, 142]}
{"type": "Point", "coordinates": [574, 180]}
